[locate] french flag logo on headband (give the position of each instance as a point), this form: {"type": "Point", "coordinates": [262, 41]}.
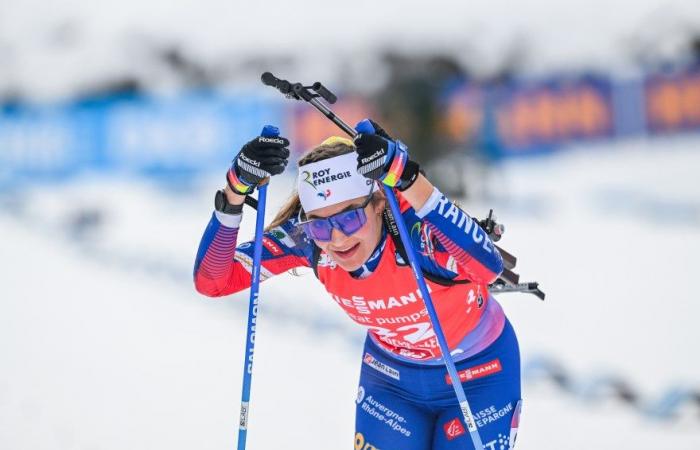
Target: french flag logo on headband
{"type": "Point", "coordinates": [324, 195]}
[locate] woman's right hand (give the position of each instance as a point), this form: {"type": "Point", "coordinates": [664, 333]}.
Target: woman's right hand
{"type": "Point", "coordinates": [264, 156]}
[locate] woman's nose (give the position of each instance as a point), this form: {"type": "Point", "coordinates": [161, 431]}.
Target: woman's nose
{"type": "Point", "coordinates": [337, 236]}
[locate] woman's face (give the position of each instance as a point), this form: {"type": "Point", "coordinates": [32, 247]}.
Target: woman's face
{"type": "Point", "coordinates": [350, 252]}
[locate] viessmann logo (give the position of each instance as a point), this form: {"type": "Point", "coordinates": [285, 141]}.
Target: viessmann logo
{"type": "Point", "coordinates": [483, 370]}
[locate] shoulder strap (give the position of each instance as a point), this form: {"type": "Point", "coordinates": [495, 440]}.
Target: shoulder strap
{"type": "Point", "coordinates": [315, 257]}
{"type": "Point", "coordinates": [393, 231]}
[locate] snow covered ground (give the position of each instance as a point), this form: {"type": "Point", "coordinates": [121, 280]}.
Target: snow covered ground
{"type": "Point", "coordinates": [105, 345]}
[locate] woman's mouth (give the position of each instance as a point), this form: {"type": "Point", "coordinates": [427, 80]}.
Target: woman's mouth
{"type": "Point", "coordinates": [347, 253]}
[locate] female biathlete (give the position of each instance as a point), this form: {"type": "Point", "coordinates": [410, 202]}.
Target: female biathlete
{"type": "Point", "coordinates": [335, 223]}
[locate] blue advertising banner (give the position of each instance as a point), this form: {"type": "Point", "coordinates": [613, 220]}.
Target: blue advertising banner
{"type": "Point", "coordinates": [532, 117]}
{"type": "Point", "coordinates": [672, 102]}
{"type": "Point", "coordinates": [48, 142]}
{"type": "Point", "coordinates": [522, 118]}
{"type": "Point", "coordinates": [525, 118]}
{"type": "Point", "coordinates": [131, 135]}
{"type": "Point", "coordinates": [191, 133]}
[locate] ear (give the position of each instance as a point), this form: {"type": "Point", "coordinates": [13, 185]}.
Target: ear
{"type": "Point", "coordinates": [379, 205]}
{"type": "Point", "coordinates": [378, 202]}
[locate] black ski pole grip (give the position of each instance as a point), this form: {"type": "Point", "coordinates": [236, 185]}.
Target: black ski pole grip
{"type": "Point", "coordinates": [270, 80]}
{"type": "Point", "coordinates": [323, 92]}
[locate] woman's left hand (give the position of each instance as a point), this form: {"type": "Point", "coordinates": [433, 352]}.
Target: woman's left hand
{"type": "Point", "coordinates": [382, 158]}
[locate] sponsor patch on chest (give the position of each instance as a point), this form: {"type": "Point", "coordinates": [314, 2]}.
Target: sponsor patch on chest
{"type": "Point", "coordinates": [272, 246]}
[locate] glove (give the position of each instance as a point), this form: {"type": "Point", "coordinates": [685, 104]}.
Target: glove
{"type": "Point", "coordinates": [264, 156]}
{"type": "Point", "coordinates": [382, 158]}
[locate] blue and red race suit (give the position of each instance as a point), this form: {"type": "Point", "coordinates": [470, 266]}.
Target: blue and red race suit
{"type": "Point", "coordinates": [450, 245]}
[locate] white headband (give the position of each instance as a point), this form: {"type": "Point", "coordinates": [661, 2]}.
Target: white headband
{"type": "Point", "coordinates": [331, 181]}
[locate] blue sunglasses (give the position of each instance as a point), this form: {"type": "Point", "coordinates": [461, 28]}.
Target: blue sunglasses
{"type": "Point", "coordinates": [349, 222]}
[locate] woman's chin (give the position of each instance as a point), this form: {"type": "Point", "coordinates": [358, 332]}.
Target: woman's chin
{"type": "Point", "coordinates": [352, 261]}
{"type": "Point", "coordinates": [349, 267]}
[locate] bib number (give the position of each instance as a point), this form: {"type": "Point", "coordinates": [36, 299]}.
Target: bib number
{"type": "Point", "coordinates": [412, 334]}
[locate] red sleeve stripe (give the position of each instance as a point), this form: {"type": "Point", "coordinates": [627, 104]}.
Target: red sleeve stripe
{"type": "Point", "coordinates": [219, 257]}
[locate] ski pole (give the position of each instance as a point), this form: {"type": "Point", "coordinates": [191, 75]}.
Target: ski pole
{"type": "Point", "coordinates": [268, 131]}
{"type": "Point", "coordinates": [300, 92]}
